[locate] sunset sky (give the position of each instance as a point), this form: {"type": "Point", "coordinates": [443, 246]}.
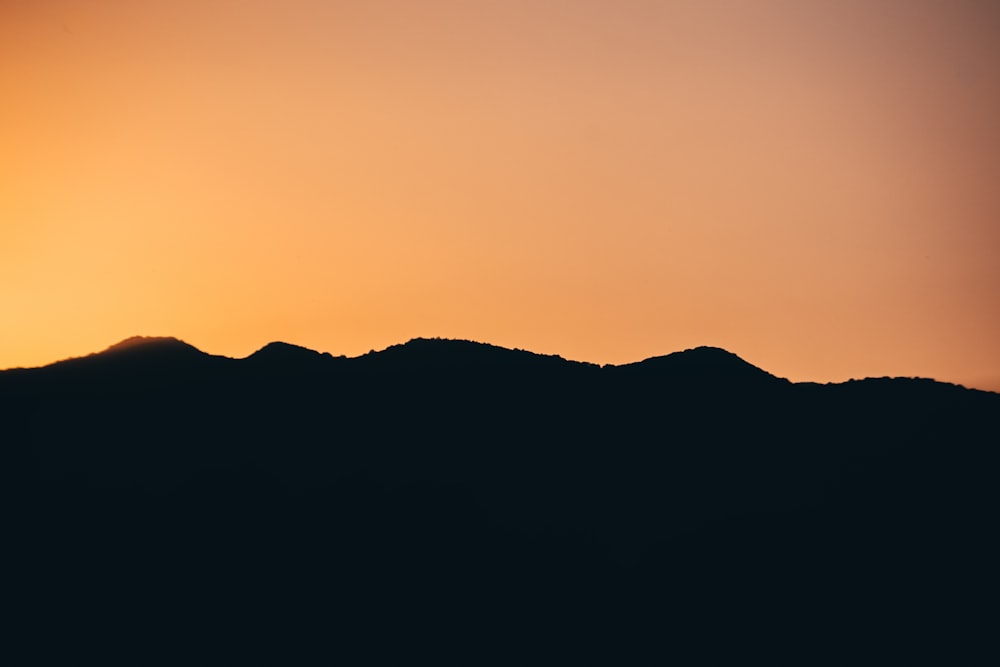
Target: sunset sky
{"type": "Point", "coordinates": [813, 185]}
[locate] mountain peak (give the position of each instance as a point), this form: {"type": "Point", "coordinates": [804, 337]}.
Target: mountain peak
{"type": "Point", "coordinates": [707, 354]}
{"type": "Point", "coordinates": [151, 348]}
{"type": "Point", "coordinates": [139, 353]}
{"type": "Point", "coordinates": [158, 342]}
{"type": "Point", "coordinates": [456, 354]}
{"type": "Point", "coordinates": [704, 362]}
{"type": "Point", "coordinates": [280, 352]}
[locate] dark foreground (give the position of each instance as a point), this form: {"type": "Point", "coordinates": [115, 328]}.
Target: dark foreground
{"type": "Point", "coordinates": [457, 503]}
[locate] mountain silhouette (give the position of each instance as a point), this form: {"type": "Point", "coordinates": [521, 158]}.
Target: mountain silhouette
{"type": "Point", "coordinates": [285, 353]}
{"type": "Point", "coordinates": [468, 503]}
{"type": "Point", "coordinates": [703, 361]}
{"type": "Point", "coordinates": [146, 350]}
{"type": "Point", "coordinates": [147, 343]}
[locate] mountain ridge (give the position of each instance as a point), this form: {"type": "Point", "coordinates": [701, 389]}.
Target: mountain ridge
{"type": "Point", "coordinates": [709, 362]}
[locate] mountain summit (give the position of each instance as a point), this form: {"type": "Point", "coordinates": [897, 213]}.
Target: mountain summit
{"type": "Point", "coordinates": [278, 352]}
{"type": "Point", "coordinates": [148, 344]}
{"type": "Point", "coordinates": [704, 364]}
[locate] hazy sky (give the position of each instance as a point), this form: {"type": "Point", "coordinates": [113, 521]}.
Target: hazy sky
{"type": "Point", "coordinates": [814, 186]}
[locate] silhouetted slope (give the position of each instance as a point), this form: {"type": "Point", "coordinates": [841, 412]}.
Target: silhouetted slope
{"type": "Point", "coordinates": [147, 351]}
{"type": "Point", "coordinates": [467, 503]}
{"type": "Point", "coordinates": [133, 363]}
{"type": "Point", "coordinates": [437, 355]}
{"type": "Point", "coordinates": [702, 365]}
{"type": "Point", "coordinates": [283, 353]}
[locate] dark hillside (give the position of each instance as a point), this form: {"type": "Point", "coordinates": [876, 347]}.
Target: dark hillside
{"type": "Point", "coordinates": [471, 504]}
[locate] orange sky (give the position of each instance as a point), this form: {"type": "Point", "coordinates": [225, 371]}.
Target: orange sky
{"type": "Point", "coordinates": [814, 186]}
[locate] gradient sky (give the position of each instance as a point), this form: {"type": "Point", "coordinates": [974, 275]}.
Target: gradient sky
{"type": "Point", "coordinates": [814, 186]}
